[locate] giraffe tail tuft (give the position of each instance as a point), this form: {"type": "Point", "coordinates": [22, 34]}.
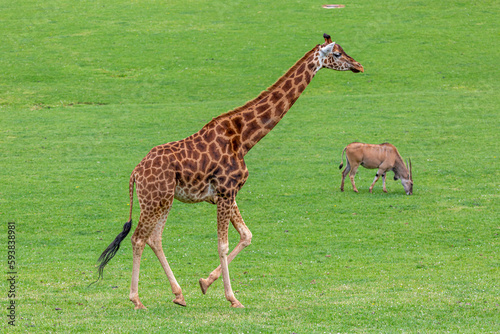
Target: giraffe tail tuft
{"type": "Point", "coordinates": [111, 250]}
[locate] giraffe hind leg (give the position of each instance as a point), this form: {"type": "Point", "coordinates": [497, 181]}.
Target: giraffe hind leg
{"type": "Point", "coordinates": [148, 220]}
{"type": "Point", "coordinates": [155, 242]}
{"type": "Point", "coordinates": [138, 244]}
{"type": "Point", "coordinates": [245, 240]}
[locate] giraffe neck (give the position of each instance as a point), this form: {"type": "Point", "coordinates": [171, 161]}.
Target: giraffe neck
{"type": "Point", "coordinates": [247, 125]}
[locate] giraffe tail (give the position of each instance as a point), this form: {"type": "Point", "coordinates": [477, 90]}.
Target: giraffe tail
{"type": "Point", "coordinates": [342, 159]}
{"type": "Point", "coordinates": [111, 250]}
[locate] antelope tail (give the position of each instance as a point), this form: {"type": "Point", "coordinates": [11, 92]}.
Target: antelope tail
{"type": "Point", "coordinates": [342, 159]}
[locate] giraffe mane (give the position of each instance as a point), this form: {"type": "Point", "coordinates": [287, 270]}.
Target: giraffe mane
{"type": "Point", "coordinates": [266, 92]}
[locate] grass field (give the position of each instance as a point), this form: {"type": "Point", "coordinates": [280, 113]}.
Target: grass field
{"type": "Point", "coordinates": [87, 88]}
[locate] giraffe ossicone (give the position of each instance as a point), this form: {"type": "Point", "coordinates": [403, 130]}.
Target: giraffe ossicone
{"type": "Point", "coordinates": [209, 166]}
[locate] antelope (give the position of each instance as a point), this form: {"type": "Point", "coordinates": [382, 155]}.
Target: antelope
{"type": "Point", "coordinates": [385, 157]}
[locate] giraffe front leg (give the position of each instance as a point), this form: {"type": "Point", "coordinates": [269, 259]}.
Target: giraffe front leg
{"type": "Point", "coordinates": [224, 209]}
{"type": "Point", "coordinates": [245, 240]}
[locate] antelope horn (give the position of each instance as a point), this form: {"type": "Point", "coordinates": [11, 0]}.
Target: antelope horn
{"type": "Point", "coordinates": [411, 177]}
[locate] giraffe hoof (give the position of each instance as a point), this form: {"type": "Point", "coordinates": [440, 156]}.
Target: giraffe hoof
{"type": "Point", "coordinates": [137, 303]}
{"type": "Point", "coordinates": [203, 285]}
{"type": "Point", "coordinates": [140, 307]}
{"type": "Point", "coordinates": [237, 304]}
{"type": "Point", "coordinates": [180, 301]}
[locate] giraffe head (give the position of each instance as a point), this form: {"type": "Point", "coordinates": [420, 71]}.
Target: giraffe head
{"type": "Point", "coordinates": [333, 56]}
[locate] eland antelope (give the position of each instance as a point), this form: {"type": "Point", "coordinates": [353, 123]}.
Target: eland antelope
{"type": "Point", "coordinates": [384, 157]}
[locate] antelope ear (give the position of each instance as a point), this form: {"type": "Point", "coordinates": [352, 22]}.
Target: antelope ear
{"type": "Point", "coordinates": [327, 49]}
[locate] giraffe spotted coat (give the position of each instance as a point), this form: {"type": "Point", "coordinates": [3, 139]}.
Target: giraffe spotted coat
{"type": "Point", "coordinates": [209, 166]}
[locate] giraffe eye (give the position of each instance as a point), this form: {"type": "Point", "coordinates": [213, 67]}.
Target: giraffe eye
{"type": "Point", "coordinates": [336, 54]}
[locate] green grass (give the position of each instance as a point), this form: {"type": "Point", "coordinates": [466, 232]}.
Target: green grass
{"type": "Point", "coordinates": [87, 88]}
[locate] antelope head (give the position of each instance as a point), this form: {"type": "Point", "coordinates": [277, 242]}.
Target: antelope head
{"type": "Point", "coordinates": [407, 182]}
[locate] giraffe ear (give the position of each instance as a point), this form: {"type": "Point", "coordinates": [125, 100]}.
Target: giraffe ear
{"type": "Point", "coordinates": [327, 49]}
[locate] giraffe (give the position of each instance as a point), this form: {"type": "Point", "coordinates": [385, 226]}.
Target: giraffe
{"type": "Point", "coordinates": [209, 166]}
